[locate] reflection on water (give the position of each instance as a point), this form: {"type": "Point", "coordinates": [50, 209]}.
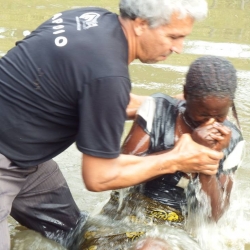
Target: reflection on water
{"type": "Point", "coordinates": [226, 32]}
{"type": "Point", "coordinates": [231, 50]}
{"type": "Point", "coordinates": [30, 240]}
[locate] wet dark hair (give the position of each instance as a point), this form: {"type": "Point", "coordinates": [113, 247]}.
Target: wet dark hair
{"type": "Point", "coordinates": [211, 76]}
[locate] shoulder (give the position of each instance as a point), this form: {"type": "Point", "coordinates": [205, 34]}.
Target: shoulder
{"type": "Point", "coordinates": [156, 106]}
{"type": "Point", "coordinates": [234, 152]}
{"type": "Point", "coordinates": [145, 113]}
{"type": "Point", "coordinates": [85, 13]}
{"type": "Point", "coordinates": [236, 133]}
{"type": "Point", "coordinates": [159, 97]}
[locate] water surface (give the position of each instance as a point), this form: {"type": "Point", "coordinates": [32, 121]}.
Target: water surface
{"type": "Point", "coordinates": [226, 32]}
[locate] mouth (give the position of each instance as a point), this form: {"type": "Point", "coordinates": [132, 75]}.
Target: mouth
{"type": "Point", "coordinates": [166, 55]}
{"type": "Point", "coordinates": [162, 57]}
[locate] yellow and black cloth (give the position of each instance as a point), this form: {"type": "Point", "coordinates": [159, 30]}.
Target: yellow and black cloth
{"type": "Point", "coordinates": [119, 227]}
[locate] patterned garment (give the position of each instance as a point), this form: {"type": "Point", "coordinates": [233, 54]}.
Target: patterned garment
{"type": "Point", "coordinates": [112, 230]}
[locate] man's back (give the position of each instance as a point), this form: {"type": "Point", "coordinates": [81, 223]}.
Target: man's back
{"type": "Point", "coordinates": [49, 76]}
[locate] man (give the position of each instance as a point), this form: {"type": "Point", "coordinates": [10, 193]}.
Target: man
{"type": "Point", "coordinates": [68, 82]}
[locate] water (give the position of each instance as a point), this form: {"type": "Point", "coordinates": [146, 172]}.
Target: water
{"type": "Point", "coordinates": [226, 32]}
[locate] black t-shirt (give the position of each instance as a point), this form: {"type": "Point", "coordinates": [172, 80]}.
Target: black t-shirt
{"type": "Point", "coordinates": [67, 81]}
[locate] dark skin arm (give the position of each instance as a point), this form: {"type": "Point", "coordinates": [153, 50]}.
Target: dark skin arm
{"type": "Point", "coordinates": [215, 188]}
{"type": "Point", "coordinates": [216, 136]}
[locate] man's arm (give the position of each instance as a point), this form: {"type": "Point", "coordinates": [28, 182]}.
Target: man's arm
{"type": "Point", "coordinates": [101, 174]}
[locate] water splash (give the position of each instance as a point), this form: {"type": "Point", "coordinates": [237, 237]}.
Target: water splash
{"type": "Point", "coordinates": [231, 232]}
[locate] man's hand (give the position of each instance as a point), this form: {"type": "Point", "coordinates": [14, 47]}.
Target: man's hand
{"type": "Point", "coordinates": [195, 158]}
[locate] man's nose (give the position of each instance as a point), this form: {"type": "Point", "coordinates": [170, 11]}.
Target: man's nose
{"type": "Point", "coordinates": [178, 46]}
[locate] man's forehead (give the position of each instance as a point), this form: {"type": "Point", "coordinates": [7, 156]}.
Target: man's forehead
{"type": "Point", "coordinates": [177, 20]}
{"type": "Point", "coordinates": [180, 25]}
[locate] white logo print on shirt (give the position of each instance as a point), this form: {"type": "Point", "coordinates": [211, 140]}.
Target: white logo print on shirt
{"type": "Point", "coordinates": [85, 21]}
{"type": "Point", "coordinates": [58, 27]}
{"type": "Point", "coordinates": [89, 20]}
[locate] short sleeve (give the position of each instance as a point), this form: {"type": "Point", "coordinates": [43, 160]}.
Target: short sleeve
{"type": "Point", "coordinates": [102, 114]}
{"type": "Point", "coordinates": [145, 114]}
{"type": "Point", "coordinates": [234, 159]}
{"type": "Point", "coordinates": [234, 153]}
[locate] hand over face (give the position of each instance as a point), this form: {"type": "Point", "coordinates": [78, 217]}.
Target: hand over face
{"type": "Point", "coordinates": [222, 137]}
{"type": "Point", "coordinates": [213, 135]}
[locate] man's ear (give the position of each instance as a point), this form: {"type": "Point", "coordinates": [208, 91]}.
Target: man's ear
{"type": "Point", "coordinates": [140, 25]}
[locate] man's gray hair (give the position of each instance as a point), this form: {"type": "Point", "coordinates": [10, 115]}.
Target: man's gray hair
{"type": "Point", "coordinates": [159, 12]}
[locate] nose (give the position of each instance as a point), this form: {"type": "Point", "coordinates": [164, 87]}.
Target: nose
{"type": "Point", "coordinates": [177, 46]}
{"type": "Point", "coordinates": [217, 119]}
{"type": "Point", "coordinates": [220, 119]}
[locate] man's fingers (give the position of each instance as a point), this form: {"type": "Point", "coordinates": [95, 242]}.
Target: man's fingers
{"type": "Point", "coordinates": [197, 158]}
{"type": "Point", "coordinates": [209, 172]}
{"type": "Point", "coordinates": [213, 155]}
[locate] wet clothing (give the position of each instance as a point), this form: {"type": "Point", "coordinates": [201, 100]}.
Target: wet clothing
{"type": "Point", "coordinates": [66, 82]}
{"type": "Point", "coordinates": [38, 198]}
{"type": "Point", "coordinates": [119, 228]}
{"type": "Point", "coordinates": [161, 201]}
{"type": "Point", "coordinates": [169, 189]}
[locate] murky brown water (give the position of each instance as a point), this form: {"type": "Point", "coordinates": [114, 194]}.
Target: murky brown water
{"type": "Point", "coordinates": [226, 32]}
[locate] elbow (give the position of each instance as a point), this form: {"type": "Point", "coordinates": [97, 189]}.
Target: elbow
{"type": "Point", "coordinates": [100, 174]}
{"type": "Point", "coordinates": [99, 183]}
{"type": "Point", "coordinates": [94, 186]}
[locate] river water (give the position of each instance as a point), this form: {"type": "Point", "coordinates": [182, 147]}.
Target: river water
{"type": "Point", "coordinates": [226, 32]}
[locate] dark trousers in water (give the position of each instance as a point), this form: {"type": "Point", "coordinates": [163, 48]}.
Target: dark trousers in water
{"type": "Point", "coordinates": [38, 198]}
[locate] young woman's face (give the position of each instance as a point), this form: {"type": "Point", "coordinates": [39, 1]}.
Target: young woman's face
{"type": "Point", "coordinates": [202, 109]}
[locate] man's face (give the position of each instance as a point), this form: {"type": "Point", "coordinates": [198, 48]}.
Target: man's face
{"type": "Point", "coordinates": [156, 44]}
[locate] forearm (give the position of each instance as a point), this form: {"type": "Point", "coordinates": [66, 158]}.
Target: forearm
{"type": "Point", "coordinates": [105, 174]}
{"type": "Point", "coordinates": [218, 191]}
{"type": "Point", "coordinates": [125, 171]}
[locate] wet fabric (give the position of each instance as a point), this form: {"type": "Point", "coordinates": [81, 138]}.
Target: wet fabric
{"type": "Point", "coordinates": [158, 202]}
{"type": "Point", "coordinates": [165, 189]}
{"type": "Point", "coordinates": [76, 88]}
{"type": "Point", "coordinates": [136, 212]}
{"type": "Point", "coordinates": [38, 198]}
